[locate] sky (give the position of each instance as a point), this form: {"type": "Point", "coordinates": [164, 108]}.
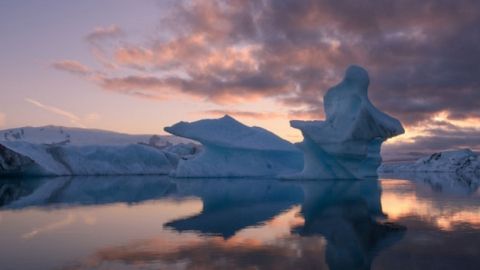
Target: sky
{"type": "Point", "coordinates": [138, 66]}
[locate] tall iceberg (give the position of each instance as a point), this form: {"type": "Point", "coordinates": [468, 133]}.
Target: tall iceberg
{"type": "Point", "coordinates": [347, 144]}
{"type": "Point", "coordinates": [232, 149]}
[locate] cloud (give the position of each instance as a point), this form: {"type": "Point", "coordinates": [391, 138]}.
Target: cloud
{"type": "Point", "coordinates": [3, 118]}
{"type": "Point", "coordinates": [100, 41]}
{"type": "Point", "coordinates": [293, 51]}
{"type": "Point", "coordinates": [71, 66]}
{"type": "Point", "coordinates": [74, 119]}
{"type": "Point", "coordinates": [435, 136]}
{"type": "Point", "coordinates": [422, 55]}
{"type": "Point", "coordinates": [104, 32]}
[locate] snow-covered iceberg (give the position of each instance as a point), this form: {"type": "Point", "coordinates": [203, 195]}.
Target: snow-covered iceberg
{"type": "Point", "coordinates": [57, 151]}
{"type": "Point", "coordinates": [41, 159]}
{"type": "Point", "coordinates": [83, 136]}
{"type": "Point", "coordinates": [232, 149]}
{"type": "Point", "coordinates": [347, 144]}
{"type": "Point", "coordinates": [454, 161]}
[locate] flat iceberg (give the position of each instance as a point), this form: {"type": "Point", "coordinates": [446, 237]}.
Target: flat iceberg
{"type": "Point", "coordinates": [462, 161]}
{"type": "Point", "coordinates": [57, 160]}
{"type": "Point", "coordinates": [347, 144]}
{"type": "Point", "coordinates": [59, 151]}
{"type": "Point", "coordinates": [83, 136]}
{"type": "Point", "coordinates": [232, 149]}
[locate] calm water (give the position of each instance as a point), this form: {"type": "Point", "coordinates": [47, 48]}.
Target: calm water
{"type": "Point", "coordinates": [428, 222]}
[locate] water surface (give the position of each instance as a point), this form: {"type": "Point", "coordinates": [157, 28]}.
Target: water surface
{"type": "Point", "coordinates": [424, 222]}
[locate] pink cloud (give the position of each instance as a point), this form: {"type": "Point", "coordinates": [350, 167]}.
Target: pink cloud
{"type": "Point", "coordinates": [71, 66]}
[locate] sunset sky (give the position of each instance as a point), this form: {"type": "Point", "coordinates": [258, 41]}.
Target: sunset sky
{"type": "Point", "coordinates": [137, 66]}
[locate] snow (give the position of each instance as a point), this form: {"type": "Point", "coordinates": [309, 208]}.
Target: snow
{"type": "Point", "coordinates": [454, 172]}
{"type": "Point", "coordinates": [347, 144]}
{"type": "Point", "coordinates": [229, 133]}
{"type": "Point", "coordinates": [454, 161]}
{"type": "Point", "coordinates": [90, 159]}
{"type": "Point", "coordinates": [232, 149]}
{"type": "Point", "coordinates": [57, 151]}
{"type": "Point", "coordinates": [82, 136]}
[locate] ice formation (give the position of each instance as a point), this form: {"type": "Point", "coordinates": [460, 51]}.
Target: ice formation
{"type": "Point", "coordinates": [455, 161]}
{"type": "Point", "coordinates": [37, 160]}
{"type": "Point", "coordinates": [347, 144]}
{"type": "Point", "coordinates": [232, 149]}
{"type": "Point", "coordinates": [56, 151]}
{"type": "Point", "coordinates": [82, 136]}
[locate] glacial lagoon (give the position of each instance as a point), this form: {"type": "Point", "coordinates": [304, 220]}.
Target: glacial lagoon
{"type": "Point", "coordinates": [158, 222]}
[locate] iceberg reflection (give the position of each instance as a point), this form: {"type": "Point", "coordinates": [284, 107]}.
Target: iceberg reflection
{"type": "Point", "coordinates": [168, 223]}
{"type": "Point", "coordinates": [332, 224]}
{"type": "Point", "coordinates": [65, 191]}
{"type": "Point", "coordinates": [346, 213]}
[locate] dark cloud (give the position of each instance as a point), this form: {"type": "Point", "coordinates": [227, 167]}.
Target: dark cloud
{"type": "Point", "coordinates": [422, 55]}
{"type": "Point", "coordinates": [437, 136]}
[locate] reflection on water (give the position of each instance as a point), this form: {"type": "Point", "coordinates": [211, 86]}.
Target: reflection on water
{"type": "Point", "coordinates": [163, 223]}
{"type": "Point", "coordinates": [346, 214]}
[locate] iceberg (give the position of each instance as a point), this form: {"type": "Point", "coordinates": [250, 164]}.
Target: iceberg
{"type": "Point", "coordinates": [454, 171]}
{"type": "Point", "coordinates": [83, 136]}
{"type": "Point", "coordinates": [454, 161]}
{"type": "Point", "coordinates": [347, 144]}
{"type": "Point", "coordinates": [232, 149]}
{"type": "Point", "coordinates": [59, 151]}
{"type": "Point", "coordinates": [59, 160]}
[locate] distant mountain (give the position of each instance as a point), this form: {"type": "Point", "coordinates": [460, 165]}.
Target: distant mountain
{"type": "Point", "coordinates": [80, 136]}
